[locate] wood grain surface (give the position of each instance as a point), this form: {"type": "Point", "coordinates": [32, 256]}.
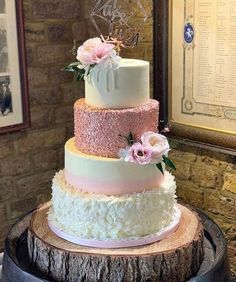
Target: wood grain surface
{"type": "Point", "coordinates": [175, 258]}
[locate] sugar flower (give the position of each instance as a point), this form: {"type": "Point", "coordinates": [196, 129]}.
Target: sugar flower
{"type": "Point", "coordinates": [94, 56]}
{"type": "Point", "coordinates": [101, 52]}
{"type": "Point", "coordinates": [139, 154]}
{"type": "Point", "coordinates": [157, 143]}
{"type": "Point", "coordinates": [84, 51]}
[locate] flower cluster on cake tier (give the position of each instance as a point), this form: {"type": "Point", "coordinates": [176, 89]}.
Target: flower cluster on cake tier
{"type": "Point", "coordinates": [114, 185]}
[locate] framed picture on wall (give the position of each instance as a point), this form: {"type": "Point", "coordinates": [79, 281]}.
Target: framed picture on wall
{"type": "Point", "coordinates": [195, 66]}
{"type": "Point", "coordinates": [14, 109]}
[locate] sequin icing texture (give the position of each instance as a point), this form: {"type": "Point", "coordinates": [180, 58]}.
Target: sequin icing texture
{"type": "Point", "coordinates": [101, 132]}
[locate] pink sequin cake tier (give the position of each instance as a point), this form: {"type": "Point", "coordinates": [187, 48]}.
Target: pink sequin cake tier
{"type": "Point", "coordinates": [101, 132]}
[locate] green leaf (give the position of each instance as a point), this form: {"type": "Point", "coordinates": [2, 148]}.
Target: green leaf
{"type": "Point", "coordinates": [168, 162]}
{"type": "Point", "coordinates": [72, 67]}
{"type": "Point", "coordinates": [68, 69]}
{"type": "Point", "coordinates": [80, 76]}
{"type": "Point", "coordinates": [159, 166]}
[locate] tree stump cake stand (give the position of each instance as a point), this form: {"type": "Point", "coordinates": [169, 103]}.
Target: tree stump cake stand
{"type": "Point", "coordinates": [175, 258]}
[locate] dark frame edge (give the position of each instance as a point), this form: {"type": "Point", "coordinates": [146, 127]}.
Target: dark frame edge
{"type": "Point", "coordinates": [23, 73]}
{"type": "Point", "coordinates": [160, 56]}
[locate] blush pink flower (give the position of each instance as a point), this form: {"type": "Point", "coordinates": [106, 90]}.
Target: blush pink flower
{"type": "Point", "coordinates": [101, 52]}
{"type": "Point", "coordinates": [157, 143]}
{"type": "Point", "coordinates": [84, 52]}
{"type": "Point", "coordinates": [139, 154]}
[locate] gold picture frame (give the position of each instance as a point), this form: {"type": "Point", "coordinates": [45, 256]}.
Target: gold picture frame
{"type": "Point", "coordinates": [168, 79]}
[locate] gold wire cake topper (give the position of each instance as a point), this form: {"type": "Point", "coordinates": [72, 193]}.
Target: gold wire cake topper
{"type": "Point", "coordinates": [117, 20]}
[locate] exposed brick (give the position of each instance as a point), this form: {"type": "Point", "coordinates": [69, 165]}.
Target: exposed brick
{"type": "Point", "coordinates": [92, 32]}
{"type": "Point", "coordinates": [45, 160]}
{"type": "Point", "coordinates": [230, 182]}
{"type": "Point", "coordinates": [190, 193]}
{"type": "Point", "coordinates": [6, 148]}
{"type": "Point", "coordinates": [88, 7]}
{"type": "Point", "coordinates": [69, 130]}
{"type": "Point", "coordinates": [220, 205]}
{"type": "Point", "coordinates": [18, 208]}
{"type": "Point", "coordinates": [4, 229]}
{"type": "Point", "coordinates": [3, 214]}
{"type": "Point", "coordinates": [6, 188]}
{"type": "Point", "coordinates": [182, 156]}
{"type": "Point", "coordinates": [60, 157]}
{"type": "Point", "coordinates": [44, 196]}
{"type": "Point", "coordinates": [48, 54]}
{"type": "Point", "coordinates": [64, 113]}
{"type": "Point", "coordinates": [59, 32]}
{"type": "Point", "coordinates": [36, 140]}
{"type": "Point", "coordinates": [227, 226]}
{"type": "Point", "coordinates": [56, 9]}
{"type": "Point", "coordinates": [232, 255]}
{"type": "Point", "coordinates": [146, 6]}
{"type": "Point", "coordinates": [40, 117]}
{"type": "Point", "coordinates": [148, 52]}
{"type": "Point", "coordinates": [73, 91]}
{"type": "Point", "coordinates": [79, 31]}
{"type": "Point", "coordinates": [183, 170]}
{"type": "Point", "coordinates": [57, 75]}
{"type": "Point", "coordinates": [34, 32]}
{"type": "Point", "coordinates": [16, 165]}
{"type": "Point", "coordinates": [37, 76]}
{"type": "Point", "coordinates": [213, 162]}
{"type": "Point", "coordinates": [27, 9]}
{"type": "Point", "coordinates": [138, 52]}
{"type": "Point", "coordinates": [30, 56]}
{"type": "Point", "coordinates": [205, 177]}
{"type": "Point", "coordinates": [46, 95]}
{"type": "Point", "coordinates": [31, 185]}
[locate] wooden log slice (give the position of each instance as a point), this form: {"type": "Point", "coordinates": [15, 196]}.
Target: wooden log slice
{"type": "Point", "coordinates": [176, 258]}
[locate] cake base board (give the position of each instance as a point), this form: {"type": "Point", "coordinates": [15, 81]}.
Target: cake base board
{"type": "Point", "coordinates": [175, 258]}
{"type": "Point", "coordinates": [125, 243]}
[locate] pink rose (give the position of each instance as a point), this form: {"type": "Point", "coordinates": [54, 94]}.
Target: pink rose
{"type": "Point", "coordinates": [157, 143]}
{"type": "Point", "coordinates": [139, 154]}
{"type": "Point", "coordinates": [101, 52]}
{"type": "Point", "coordinates": [84, 52]}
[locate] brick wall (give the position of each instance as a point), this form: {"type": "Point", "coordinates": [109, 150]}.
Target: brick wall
{"type": "Point", "coordinates": [29, 159]}
{"type": "Point", "coordinates": [207, 180]}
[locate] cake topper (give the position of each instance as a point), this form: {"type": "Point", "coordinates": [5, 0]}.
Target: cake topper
{"type": "Point", "coordinates": [118, 22]}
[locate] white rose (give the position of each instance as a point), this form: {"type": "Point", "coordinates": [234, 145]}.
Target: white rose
{"type": "Point", "coordinates": [158, 143]}
{"type": "Point", "coordinates": [84, 52]}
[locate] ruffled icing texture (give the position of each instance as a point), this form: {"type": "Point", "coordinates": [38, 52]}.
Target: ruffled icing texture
{"type": "Point", "coordinates": [94, 216]}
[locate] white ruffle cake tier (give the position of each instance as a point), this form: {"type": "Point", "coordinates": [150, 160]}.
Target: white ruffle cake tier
{"type": "Point", "coordinates": [113, 221]}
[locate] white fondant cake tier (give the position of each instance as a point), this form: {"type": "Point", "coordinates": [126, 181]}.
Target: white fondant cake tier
{"type": "Point", "coordinates": [127, 86]}
{"type": "Point", "coordinates": [108, 176]}
{"type": "Point", "coordinates": [101, 217]}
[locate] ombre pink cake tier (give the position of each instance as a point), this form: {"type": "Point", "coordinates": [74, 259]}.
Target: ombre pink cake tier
{"type": "Point", "coordinates": [101, 132]}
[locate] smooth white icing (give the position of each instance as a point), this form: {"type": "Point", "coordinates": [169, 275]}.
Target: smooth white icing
{"type": "Point", "coordinates": [128, 86]}
{"type": "Point", "coordinates": [94, 216]}
{"type": "Point", "coordinates": [108, 175]}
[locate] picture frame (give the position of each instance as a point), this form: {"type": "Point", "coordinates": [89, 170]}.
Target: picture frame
{"type": "Point", "coordinates": [14, 101]}
{"type": "Point", "coordinates": [163, 79]}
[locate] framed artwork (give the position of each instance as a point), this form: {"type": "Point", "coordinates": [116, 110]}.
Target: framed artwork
{"type": "Point", "coordinates": [14, 110]}
{"type": "Point", "coordinates": [195, 67]}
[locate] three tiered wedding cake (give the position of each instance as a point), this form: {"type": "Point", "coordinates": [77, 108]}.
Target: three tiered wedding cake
{"type": "Point", "coordinates": [114, 190]}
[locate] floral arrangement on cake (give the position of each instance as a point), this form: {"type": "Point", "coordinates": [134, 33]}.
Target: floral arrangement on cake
{"type": "Point", "coordinates": [94, 54]}
{"type": "Point", "coordinates": [152, 148]}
